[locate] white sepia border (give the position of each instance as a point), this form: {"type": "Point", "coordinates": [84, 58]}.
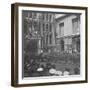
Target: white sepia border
{"type": "Point", "coordinates": [51, 78]}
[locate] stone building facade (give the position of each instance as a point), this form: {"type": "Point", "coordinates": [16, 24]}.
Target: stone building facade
{"type": "Point", "coordinates": [40, 29]}
{"type": "Point", "coordinates": [50, 32]}
{"type": "Point", "coordinates": [68, 33]}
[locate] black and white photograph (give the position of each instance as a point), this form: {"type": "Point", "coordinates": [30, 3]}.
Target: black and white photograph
{"type": "Point", "coordinates": [50, 44]}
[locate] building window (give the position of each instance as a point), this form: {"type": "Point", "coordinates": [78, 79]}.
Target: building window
{"type": "Point", "coordinates": [76, 25]}
{"type": "Point", "coordinates": [50, 18]}
{"type": "Point", "coordinates": [62, 44]}
{"type": "Point", "coordinates": [50, 27]}
{"type": "Point", "coordinates": [68, 45]}
{"type": "Point", "coordinates": [34, 15]}
{"type": "Point", "coordinates": [43, 27]}
{"type": "Point", "coordinates": [61, 27]}
{"type": "Point", "coordinates": [46, 26]}
{"type": "Point", "coordinates": [76, 44]}
{"type": "Point", "coordinates": [29, 15]}
{"type": "Point", "coordinates": [39, 28]}
{"type": "Point", "coordinates": [38, 16]}
{"type": "Point", "coordinates": [50, 39]}
{"type": "Point", "coordinates": [42, 16]}
{"type": "Point", "coordinates": [46, 39]}
{"type": "Point", "coordinates": [46, 17]}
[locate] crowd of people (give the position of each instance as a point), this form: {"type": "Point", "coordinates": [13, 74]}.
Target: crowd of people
{"type": "Point", "coordinates": [53, 64]}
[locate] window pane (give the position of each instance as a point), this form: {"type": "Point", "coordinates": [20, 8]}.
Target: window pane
{"type": "Point", "coordinates": [50, 27]}
{"type": "Point", "coordinates": [61, 26]}
{"type": "Point", "coordinates": [76, 25]}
